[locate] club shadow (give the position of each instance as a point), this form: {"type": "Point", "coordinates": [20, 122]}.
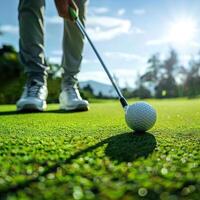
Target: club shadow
{"type": "Point", "coordinates": [124, 147]}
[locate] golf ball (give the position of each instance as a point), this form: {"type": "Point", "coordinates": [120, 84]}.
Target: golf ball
{"type": "Point", "coordinates": [140, 116]}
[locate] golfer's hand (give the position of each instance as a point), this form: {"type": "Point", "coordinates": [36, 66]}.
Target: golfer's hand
{"type": "Point", "coordinates": [63, 8]}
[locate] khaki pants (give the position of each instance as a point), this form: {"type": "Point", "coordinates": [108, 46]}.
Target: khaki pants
{"type": "Point", "coordinates": [31, 43]}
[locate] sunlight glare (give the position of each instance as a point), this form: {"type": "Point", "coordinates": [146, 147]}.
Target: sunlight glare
{"type": "Point", "coordinates": [182, 31]}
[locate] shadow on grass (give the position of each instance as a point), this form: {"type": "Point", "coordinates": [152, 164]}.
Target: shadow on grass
{"type": "Point", "coordinates": [125, 147]}
{"type": "Point", "coordinates": [65, 111]}
{"type": "Point", "coordinates": [2, 113]}
{"type": "Point", "coordinates": [129, 146]}
{"type": "Point", "coordinates": [5, 113]}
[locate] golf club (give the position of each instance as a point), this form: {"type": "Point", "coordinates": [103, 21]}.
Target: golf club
{"type": "Point", "coordinates": [83, 31]}
{"type": "Point", "coordinates": [140, 116]}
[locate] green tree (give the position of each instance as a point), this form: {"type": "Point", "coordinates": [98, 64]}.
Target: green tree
{"type": "Point", "coordinates": [160, 75]}
{"type": "Point", "coordinates": [192, 81]}
{"type": "Point", "coordinates": [10, 75]}
{"type": "Point", "coordinates": [100, 95]}
{"type": "Point", "coordinates": [141, 90]}
{"type": "Point", "coordinates": [153, 68]}
{"type": "Point", "coordinates": [10, 67]}
{"type": "Point", "coordinates": [151, 77]}
{"type": "Point", "coordinates": [55, 70]}
{"type": "Point", "coordinates": [87, 92]}
{"type": "Point", "coordinates": [167, 86]}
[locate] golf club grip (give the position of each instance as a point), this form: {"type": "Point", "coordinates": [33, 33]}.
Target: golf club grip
{"type": "Point", "coordinates": [121, 98]}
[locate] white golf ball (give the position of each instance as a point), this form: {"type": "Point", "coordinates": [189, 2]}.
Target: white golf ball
{"type": "Point", "coordinates": [140, 116]}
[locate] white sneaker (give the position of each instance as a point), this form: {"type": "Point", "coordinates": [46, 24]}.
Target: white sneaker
{"type": "Point", "coordinates": [33, 97]}
{"type": "Point", "coordinates": [70, 100]}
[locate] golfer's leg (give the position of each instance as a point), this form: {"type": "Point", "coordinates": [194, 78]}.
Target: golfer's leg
{"type": "Point", "coordinates": [31, 25]}
{"type": "Point", "coordinates": [31, 43]}
{"type": "Point", "coordinates": [73, 43]}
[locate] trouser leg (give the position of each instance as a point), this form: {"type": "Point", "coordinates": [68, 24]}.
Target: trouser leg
{"type": "Point", "coordinates": [31, 43]}
{"type": "Point", "coordinates": [73, 42]}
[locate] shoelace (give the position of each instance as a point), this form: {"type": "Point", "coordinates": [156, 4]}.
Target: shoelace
{"type": "Point", "coordinates": [33, 89]}
{"type": "Point", "coordinates": [72, 92]}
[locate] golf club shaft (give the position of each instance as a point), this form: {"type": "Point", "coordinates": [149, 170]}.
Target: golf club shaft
{"type": "Point", "coordinates": [121, 98]}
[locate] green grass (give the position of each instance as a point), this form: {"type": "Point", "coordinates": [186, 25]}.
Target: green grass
{"type": "Point", "coordinates": [93, 155]}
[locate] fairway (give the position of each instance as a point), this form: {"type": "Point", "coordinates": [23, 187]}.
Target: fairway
{"type": "Point", "coordinates": [93, 155]}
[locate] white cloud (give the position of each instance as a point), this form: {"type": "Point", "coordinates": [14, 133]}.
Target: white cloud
{"type": "Point", "coordinates": [7, 28]}
{"type": "Point", "coordinates": [139, 12]}
{"type": "Point", "coordinates": [89, 61]}
{"type": "Point", "coordinates": [186, 58]}
{"type": "Point", "coordinates": [168, 41]}
{"type": "Point", "coordinates": [55, 59]}
{"type": "Point", "coordinates": [100, 27]}
{"type": "Point", "coordinates": [107, 28]}
{"type": "Point", "coordinates": [195, 44]}
{"type": "Point", "coordinates": [181, 33]}
{"type": "Point", "coordinates": [159, 41]}
{"type": "Point", "coordinates": [57, 52]}
{"type": "Point", "coordinates": [138, 30]}
{"type": "Point", "coordinates": [54, 20]}
{"type": "Point", "coordinates": [99, 76]}
{"type": "Point", "coordinates": [121, 12]}
{"type": "Point", "coordinates": [125, 56]}
{"type": "Point", "coordinates": [98, 10]}
{"type": "Point", "coordinates": [126, 76]}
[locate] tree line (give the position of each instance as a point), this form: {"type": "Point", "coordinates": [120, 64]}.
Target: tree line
{"type": "Point", "coordinates": [162, 78]}
{"type": "Point", "coordinates": [167, 78]}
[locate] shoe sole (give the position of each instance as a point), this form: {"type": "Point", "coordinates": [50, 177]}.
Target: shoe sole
{"type": "Point", "coordinates": [31, 108]}
{"type": "Point", "coordinates": [75, 108]}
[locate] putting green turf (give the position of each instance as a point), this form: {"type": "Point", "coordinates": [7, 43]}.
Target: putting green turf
{"type": "Point", "coordinates": [93, 155]}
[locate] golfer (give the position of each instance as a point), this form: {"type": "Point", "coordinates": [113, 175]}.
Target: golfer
{"type": "Point", "coordinates": [31, 45]}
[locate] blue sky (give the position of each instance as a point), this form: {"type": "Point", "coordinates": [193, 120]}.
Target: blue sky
{"type": "Point", "coordinates": [126, 33]}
